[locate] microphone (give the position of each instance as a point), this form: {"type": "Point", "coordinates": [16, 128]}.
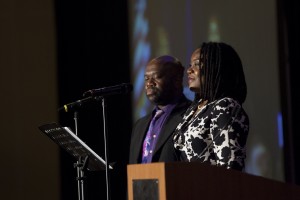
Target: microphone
{"type": "Point", "coordinates": [76, 104]}
{"type": "Point", "coordinates": [105, 91]}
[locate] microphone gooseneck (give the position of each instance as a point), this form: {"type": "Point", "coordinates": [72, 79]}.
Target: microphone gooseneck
{"type": "Point", "coordinates": [112, 90]}
{"type": "Point", "coordinates": [96, 94]}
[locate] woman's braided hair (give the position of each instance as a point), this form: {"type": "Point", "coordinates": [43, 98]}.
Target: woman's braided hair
{"type": "Point", "coordinates": [222, 71]}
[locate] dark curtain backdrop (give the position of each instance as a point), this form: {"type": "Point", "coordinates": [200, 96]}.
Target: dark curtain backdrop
{"type": "Point", "coordinates": [293, 20]}
{"type": "Point", "coordinates": [93, 52]}
{"type": "Point", "coordinates": [289, 51]}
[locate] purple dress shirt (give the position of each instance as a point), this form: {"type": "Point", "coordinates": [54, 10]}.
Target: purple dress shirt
{"type": "Point", "coordinates": [156, 124]}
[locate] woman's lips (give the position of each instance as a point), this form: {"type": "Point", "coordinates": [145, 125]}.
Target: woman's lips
{"type": "Point", "coordinates": [191, 79]}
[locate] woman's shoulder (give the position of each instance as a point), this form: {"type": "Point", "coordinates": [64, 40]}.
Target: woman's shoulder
{"type": "Point", "coordinates": [226, 105]}
{"type": "Point", "coordinates": [226, 102]}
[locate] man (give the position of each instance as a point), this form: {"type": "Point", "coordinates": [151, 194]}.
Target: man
{"type": "Point", "coordinates": [163, 87]}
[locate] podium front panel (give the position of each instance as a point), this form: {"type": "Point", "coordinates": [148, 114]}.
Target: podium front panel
{"type": "Point", "coordinates": [193, 181]}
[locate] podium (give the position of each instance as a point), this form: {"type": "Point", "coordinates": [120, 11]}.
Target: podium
{"type": "Point", "coordinates": [191, 181]}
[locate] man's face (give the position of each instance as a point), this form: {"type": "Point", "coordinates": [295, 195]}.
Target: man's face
{"type": "Point", "coordinates": [159, 84]}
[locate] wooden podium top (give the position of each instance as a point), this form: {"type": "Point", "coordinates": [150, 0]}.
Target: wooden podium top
{"type": "Point", "coordinates": [183, 180]}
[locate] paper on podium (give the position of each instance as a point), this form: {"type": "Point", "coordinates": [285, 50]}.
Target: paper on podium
{"type": "Point", "coordinates": [66, 139]}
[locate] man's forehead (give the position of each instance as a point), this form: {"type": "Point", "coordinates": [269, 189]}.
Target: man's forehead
{"type": "Point", "coordinates": [151, 71]}
{"type": "Point", "coordinates": [158, 68]}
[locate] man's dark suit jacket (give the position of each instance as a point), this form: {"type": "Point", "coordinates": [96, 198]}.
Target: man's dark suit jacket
{"type": "Point", "coordinates": [164, 149]}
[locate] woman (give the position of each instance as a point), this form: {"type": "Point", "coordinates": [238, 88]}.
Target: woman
{"type": "Point", "coordinates": [215, 127]}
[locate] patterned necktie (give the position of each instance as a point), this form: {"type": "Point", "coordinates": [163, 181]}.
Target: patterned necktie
{"type": "Point", "coordinates": [148, 142]}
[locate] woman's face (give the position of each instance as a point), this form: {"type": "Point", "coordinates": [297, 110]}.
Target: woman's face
{"type": "Point", "coordinates": [194, 72]}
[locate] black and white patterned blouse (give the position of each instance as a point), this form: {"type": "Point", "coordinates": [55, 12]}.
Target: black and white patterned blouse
{"type": "Point", "coordinates": [217, 134]}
